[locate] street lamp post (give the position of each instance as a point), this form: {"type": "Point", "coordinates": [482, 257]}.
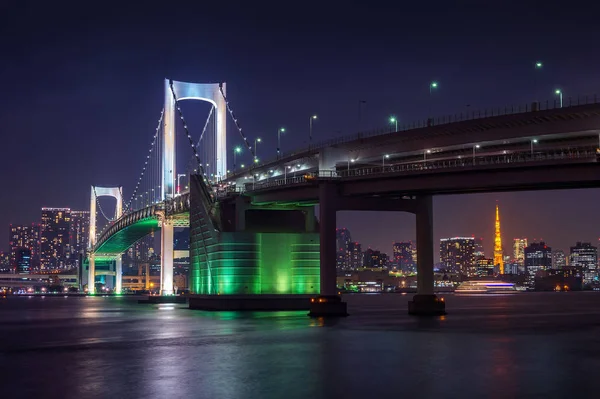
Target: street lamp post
{"type": "Point", "coordinates": [236, 151]}
{"type": "Point", "coordinates": [534, 141]}
{"type": "Point", "coordinates": [383, 160]}
{"type": "Point", "coordinates": [256, 141]}
{"type": "Point", "coordinates": [432, 86]}
{"type": "Point", "coordinates": [279, 131]}
{"type": "Point", "coordinates": [179, 175]}
{"type": "Point", "coordinates": [474, 148]}
{"type": "Point", "coordinates": [425, 155]}
{"type": "Point", "coordinates": [394, 120]}
{"type": "Point", "coordinates": [559, 92]}
{"type": "Point", "coordinates": [310, 122]}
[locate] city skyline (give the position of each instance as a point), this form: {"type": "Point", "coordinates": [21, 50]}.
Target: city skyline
{"type": "Point", "coordinates": [99, 105]}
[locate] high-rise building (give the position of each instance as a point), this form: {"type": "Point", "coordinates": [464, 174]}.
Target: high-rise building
{"type": "Point", "coordinates": [498, 252]}
{"type": "Point", "coordinates": [519, 245]}
{"type": "Point", "coordinates": [485, 267]}
{"type": "Point", "coordinates": [559, 259]}
{"type": "Point", "coordinates": [24, 237]}
{"type": "Point", "coordinates": [55, 249]}
{"type": "Point", "coordinates": [538, 256]}
{"type": "Point", "coordinates": [373, 258]}
{"type": "Point", "coordinates": [457, 255]}
{"type": "Point", "coordinates": [585, 256]}
{"type": "Point", "coordinates": [356, 256]}
{"type": "Point", "coordinates": [478, 249]}
{"type": "Point", "coordinates": [23, 262]}
{"type": "Point", "coordinates": [343, 240]}
{"type": "Point", "coordinates": [403, 256]}
{"type": "Point", "coordinates": [80, 230]}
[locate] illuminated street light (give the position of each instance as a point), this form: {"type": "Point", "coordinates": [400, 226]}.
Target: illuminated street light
{"type": "Point", "coordinates": [256, 141]}
{"type": "Point", "coordinates": [432, 85]}
{"type": "Point", "coordinates": [538, 65]}
{"type": "Point", "coordinates": [383, 159]}
{"type": "Point", "coordinates": [559, 92]}
{"type": "Point", "coordinates": [534, 141]}
{"type": "Point", "coordinates": [311, 119]}
{"type": "Point", "coordinates": [279, 131]}
{"type": "Point", "coordinates": [236, 151]}
{"type": "Point", "coordinates": [476, 146]}
{"type": "Point", "coordinates": [394, 120]}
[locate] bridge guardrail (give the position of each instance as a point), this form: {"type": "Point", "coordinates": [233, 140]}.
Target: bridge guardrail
{"type": "Point", "coordinates": [419, 167]}
{"type": "Point", "coordinates": [534, 106]}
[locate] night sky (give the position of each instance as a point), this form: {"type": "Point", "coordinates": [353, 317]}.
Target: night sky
{"type": "Point", "coordinates": [83, 87]}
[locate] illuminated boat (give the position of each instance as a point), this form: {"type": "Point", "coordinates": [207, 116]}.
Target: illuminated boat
{"type": "Point", "coordinates": [486, 287]}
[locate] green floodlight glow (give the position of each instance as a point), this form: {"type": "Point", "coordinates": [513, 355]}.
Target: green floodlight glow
{"type": "Point", "coordinates": [314, 116]}
{"type": "Point", "coordinates": [539, 64]}
{"type": "Point", "coordinates": [557, 91]}
{"type": "Point", "coordinates": [238, 149]}
{"type": "Point", "coordinates": [255, 160]}
{"type": "Point", "coordinates": [434, 84]}
{"type": "Point", "coordinates": [392, 119]}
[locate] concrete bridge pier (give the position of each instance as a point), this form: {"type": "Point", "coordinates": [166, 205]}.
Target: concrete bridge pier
{"type": "Point", "coordinates": [425, 302]}
{"type": "Point", "coordinates": [328, 303]}
{"type": "Point", "coordinates": [166, 257]}
{"type": "Point", "coordinates": [119, 274]}
{"type": "Point", "coordinates": [92, 274]}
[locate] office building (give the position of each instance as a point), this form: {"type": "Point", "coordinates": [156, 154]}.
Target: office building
{"type": "Point", "coordinates": [55, 249]}
{"type": "Point", "coordinates": [23, 260]}
{"type": "Point", "coordinates": [519, 245]}
{"type": "Point", "coordinates": [559, 259]}
{"type": "Point", "coordinates": [585, 256]}
{"type": "Point", "coordinates": [538, 257]}
{"type": "Point", "coordinates": [457, 255]}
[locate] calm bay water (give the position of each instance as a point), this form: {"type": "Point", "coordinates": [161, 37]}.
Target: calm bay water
{"type": "Point", "coordinates": [529, 345]}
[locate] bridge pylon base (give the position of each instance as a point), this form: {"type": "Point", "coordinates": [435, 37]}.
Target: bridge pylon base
{"type": "Point", "coordinates": [327, 306]}
{"type": "Point", "coordinates": [426, 305]}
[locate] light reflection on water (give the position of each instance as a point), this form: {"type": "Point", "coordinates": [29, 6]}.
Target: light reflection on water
{"type": "Point", "coordinates": [533, 345]}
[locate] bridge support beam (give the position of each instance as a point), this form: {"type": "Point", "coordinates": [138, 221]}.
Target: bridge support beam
{"type": "Point", "coordinates": [119, 274]}
{"type": "Point", "coordinates": [92, 274]}
{"type": "Point", "coordinates": [166, 257]}
{"type": "Point", "coordinates": [425, 302]}
{"type": "Point", "coordinates": [328, 303]}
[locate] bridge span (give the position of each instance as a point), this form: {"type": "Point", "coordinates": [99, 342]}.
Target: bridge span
{"type": "Point", "coordinates": [255, 232]}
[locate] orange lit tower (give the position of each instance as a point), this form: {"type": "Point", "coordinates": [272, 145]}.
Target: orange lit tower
{"type": "Point", "coordinates": [498, 257]}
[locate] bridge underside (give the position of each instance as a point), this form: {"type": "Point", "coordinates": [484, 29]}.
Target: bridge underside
{"type": "Point", "coordinates": [126, 237]}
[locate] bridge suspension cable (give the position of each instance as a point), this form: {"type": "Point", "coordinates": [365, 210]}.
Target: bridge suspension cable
{"type": "Point", "coordinates": [153, 148]}
{"type": "Point", "coordinates": [237, 125]}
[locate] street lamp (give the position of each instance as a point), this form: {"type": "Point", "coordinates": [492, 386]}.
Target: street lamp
{"type": "Point", "coordinates": [279, 131]}
{"type": "Point", "coordinates": [425, 154]}
{"type": "Point", "coordinates": [474, 148]}
{"type": "Point", "coordinates": [538, 65]}
{"type": "Point", "coordinates": [383, 159]}
{"type": "Point", "coordinates": [534, 141]}
{"type": "Point", "coordinates": [394, 120]}
{"type": "Point", "coordinates": [432, 85]}
{"type": "Point", "coordinates": [557, 91]}
{"type": "Point", "coordinates": [256, 141]}
{"type": "Point", "coordinates": [179, 175]}
{"type": "Point", "coordinates": [310, 122]}
{"type": "Point", "coordinates": [236, 151]}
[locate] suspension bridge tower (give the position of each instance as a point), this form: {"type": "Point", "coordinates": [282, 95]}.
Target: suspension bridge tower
{"type": "Point", "coordinates": [117, 194]}
{"type": "Point", "coordinates": [175, 92]}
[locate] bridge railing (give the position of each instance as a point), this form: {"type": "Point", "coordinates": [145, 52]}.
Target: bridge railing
{"type": "Point", "coordinates": [567, 154]}
{"type": "Point", "coordinates": [534, 106]}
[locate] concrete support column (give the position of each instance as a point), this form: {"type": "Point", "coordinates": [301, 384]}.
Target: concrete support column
{"type": "Point", "coordinates": [119, 274]}
{"type": "Point", "coordinates": [309, 222]}
{"type": "Point", "coordinates": [425, 303]}
{"type": "Point", "coordinates": [424, 245]}
{"type": "Point", "coordinates": [166, 257]}
{"type": "Point", "coordinates": [328, 200]}
{"type": "Point", "coordinates": [92, 274]}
